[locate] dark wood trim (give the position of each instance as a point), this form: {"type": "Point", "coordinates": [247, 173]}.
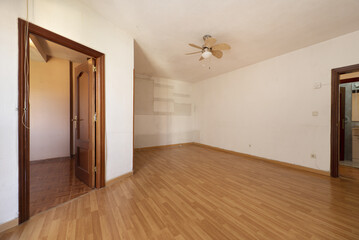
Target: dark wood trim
{"type": "Point", "coordinates": [56, 38]}
{"type": "Point", "coordinates": [71, 109]}
{"type": "Point", "coordinates": [349, 80]}
{"type": "Point", "coordinates": [24, 120]}
{"type": "Point", "coordinates": [334, 133]}
{"type": "Point", "coordinates": [334, 158]}
{"type": "Point", "coordinates": [100, 123]}
{"type": "Point", "coordinates": [133, 117]}
{"type": "Point", "coordinates": [24, 160]}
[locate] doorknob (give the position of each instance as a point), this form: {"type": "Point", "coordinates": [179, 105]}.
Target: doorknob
{"type": "Point", "coordinates": [75, 119]}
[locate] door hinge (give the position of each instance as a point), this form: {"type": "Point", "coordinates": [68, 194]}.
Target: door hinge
{"type": "Point", "coordinates": [95, 169]}
{"type": "Point", "coordinates": [93, 68]}
{"type": "Point", "coordinates": [95, 117]}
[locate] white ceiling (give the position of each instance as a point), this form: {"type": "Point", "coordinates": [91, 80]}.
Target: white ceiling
{"type": "Point", "coordinates": [256, 30]}
{"type": "Point", "coordinates": [55, 50]}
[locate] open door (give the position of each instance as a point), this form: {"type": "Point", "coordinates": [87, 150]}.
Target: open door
{"type": "Point", "coordinates": [84, 123]}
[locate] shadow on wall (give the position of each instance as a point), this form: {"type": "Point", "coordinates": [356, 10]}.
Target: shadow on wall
{"type": "Point", "coordinates": [163, 112]}
{"type": "Point", "coordinates": [141, 59]}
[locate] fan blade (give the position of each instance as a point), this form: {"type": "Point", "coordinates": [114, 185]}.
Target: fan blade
{"type": "Point", "coordinates": [221, 46]}
{"type": "Point", "coordinates": [194, 45]}
{"type": "Point", "coordinates": [209, 42]}
{"type": "Point", "coordinates": [201, 58]}
{"type": "Point", "coordinates": [217, 53]}
{"type": "Point", "coordinates": [193, 53]}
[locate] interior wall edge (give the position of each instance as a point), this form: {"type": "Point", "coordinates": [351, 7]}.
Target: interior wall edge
{"type": "Point", "coordinates": [290, 165]}
{"type": "Point", "coordinates": [119, 178]}
{"type": "Point", "coordinates": [162, 146]}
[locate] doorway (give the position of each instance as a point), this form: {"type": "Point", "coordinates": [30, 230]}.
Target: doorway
{"type": "Point", "coordinates": [87, 113]}
{"type": "Point", "coordinates": [345, 122]}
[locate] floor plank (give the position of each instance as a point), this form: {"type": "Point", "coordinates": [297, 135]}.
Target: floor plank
{"type": "Point", "coordinates": [191, 192]}
{"type": "Point", "coordinates": [349, 172]}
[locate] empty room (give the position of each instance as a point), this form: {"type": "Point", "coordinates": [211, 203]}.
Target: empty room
{"type": "Point", "coordinates": [137, 119]}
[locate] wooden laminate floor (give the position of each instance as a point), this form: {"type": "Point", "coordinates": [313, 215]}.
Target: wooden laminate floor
{"type": "Point", "coordinates": [53, 182]}
{"type": "Point", "coordinates": [349, 172]}
{"type": "Point", "coordinates": [192, 192]}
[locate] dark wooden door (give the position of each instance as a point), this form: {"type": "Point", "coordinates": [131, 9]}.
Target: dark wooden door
{"type": "Point", "coordinates": [84, 122]}
{"type": "Point", "coordinates": [342, 123]}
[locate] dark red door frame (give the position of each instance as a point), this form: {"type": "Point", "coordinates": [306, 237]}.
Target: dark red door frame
{"type": "Point", "coordinates": [24, 116]}
{"type": "Point", "coordinates": [335, 117]}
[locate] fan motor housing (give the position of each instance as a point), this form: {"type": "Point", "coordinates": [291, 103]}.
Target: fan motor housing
{"type": "Point", "coordinates": [206, 49]}
{"type": "Point", "coordinates": [206, 37]}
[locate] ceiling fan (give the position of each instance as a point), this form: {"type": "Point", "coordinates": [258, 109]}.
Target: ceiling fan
{"type": "Point", "coordinates": [208, 49]}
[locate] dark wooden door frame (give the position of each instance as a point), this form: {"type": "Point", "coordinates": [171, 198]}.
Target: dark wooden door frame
{"type": "Point", "coordinates": [335, 118]}
{"type": "Point", "coordinates": [341, 122]}
{"type": "Point", "coordinates": [24, 116]}
{"type": "Point", "coordinates": [71, 110]}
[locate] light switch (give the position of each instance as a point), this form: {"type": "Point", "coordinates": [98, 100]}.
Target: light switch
{"type": "Point", "coordinates": [315, 113]}
{"type": "Point", "coordinates": [317, 85]}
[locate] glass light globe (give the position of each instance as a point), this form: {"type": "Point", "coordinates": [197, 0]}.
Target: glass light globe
{"type": "Point", "coordinates": [206, 53]}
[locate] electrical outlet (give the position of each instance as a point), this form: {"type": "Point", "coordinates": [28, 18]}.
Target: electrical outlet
{"type": "Point", "coordinates": [313, 155]}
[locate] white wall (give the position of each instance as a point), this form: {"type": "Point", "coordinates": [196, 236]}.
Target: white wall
{"type": "Point", "coordinates": [76, 21]}
{"type": "Point", "coordinates": [269, 105]}
{"type": "Point", "coordinates": [49, 109]}
{"type": "Point", "coordinates": [163, 112]}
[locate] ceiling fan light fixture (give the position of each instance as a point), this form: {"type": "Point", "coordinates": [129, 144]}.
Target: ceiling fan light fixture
{"type": "Point", "coordinates": [209, 48]}
{"type": "Point", "coordinates": [206, 53]}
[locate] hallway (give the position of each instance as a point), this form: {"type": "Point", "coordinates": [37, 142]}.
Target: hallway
{"type": "Point", "coordinates": [53, 182]}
